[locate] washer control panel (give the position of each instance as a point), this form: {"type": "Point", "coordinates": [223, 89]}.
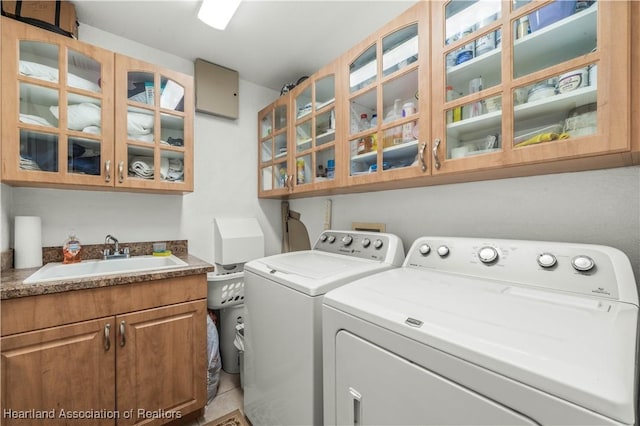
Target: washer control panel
{"type": "Point", "coordinates": [593, 270]}
{"type": "Point", "coordinates": [367, 245]}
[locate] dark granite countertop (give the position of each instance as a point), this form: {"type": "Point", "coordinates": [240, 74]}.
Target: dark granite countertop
{"type": "Point", "coordinates": [12, 286]}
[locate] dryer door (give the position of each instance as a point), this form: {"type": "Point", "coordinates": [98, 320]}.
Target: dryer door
{"type": "Point", "coordinates": [404, 393]}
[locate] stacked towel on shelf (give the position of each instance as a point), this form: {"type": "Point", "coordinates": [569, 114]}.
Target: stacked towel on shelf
{"type": "Point", "coordinates": [34, 119]}
{"type": "Point", "coordinates": [27, 163]}
{"type": "Point", "coordinates": [142, 167]}
{"type": "Point", "coordinates": [172, 169]}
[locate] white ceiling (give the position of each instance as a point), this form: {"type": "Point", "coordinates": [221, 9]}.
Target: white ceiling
{"type": "Point", "coordinates": [268, 42]}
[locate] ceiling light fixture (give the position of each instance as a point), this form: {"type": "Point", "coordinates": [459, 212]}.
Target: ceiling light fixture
{"type": "Point", "coordinates": [218, 13]}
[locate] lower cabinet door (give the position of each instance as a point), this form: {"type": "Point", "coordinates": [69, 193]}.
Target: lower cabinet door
{"type": "Point", "coordinates": [59, 376]}
{"type": "Point", "coordinates": [161, 363]}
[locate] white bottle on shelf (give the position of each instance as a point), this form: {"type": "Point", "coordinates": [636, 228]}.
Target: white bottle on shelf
{"type": "Point", "coordinates": [408, 109]}
{"type": "Point", "coordinates": [364, 122]}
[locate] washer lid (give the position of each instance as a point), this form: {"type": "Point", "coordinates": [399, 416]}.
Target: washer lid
{"type": "Point", "coordinates": [578, 348]}
{"type": "Point", "coordinates": [314, 272]}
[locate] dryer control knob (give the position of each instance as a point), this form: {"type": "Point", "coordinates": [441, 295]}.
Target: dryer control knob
{"type": "Point", "coordinates": [332, 239]}
{"type": "Point", "coordinates": [582, 263]}
{"type": "Point", "coordinates": [323, 238]}
{"type": "Point", "coordinates": [424, 249]}
{"type": "Point", "coordinates": [378, 244]}
{"type": "Point", "coordinates": [443, 251]}
{"type": "Point", "coordinates": [366, 242]}
{"type": "Point", "coordinates": [488, 254]}
{"type": "Point", "coordinates": [347, 239]}
{"type": "Point", "coordinates": [547, 260]}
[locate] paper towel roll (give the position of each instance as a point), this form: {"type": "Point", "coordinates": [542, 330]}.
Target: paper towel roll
{"type": "Point", "coordinates": [27, 243]}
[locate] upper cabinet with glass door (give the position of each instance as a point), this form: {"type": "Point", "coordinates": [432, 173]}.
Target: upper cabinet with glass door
{"type": "Point", "coordinates": [314, 108]}
{"type": "Point", "coordinates": [57, 120]}
{"type": "Point", "coordinates": [154, 127]}
{"type": "Point", "coordinates": [534, 82]}
{"type": "Point", "coordinates": [467, 84]}
{"type": "Point", "coordinates": [569, 95]}
{"type": "Point", "coordinates": [274, 176]}
{"type": "Point", "coordinates": [388, 101]}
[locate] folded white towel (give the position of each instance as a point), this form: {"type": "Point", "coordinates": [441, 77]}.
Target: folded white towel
{"type": "Point", "coordinates": [142, 167]}
{"type": "Point", "coordinates": [34, 119]}
{"type": "Point", "coordinates": [28, 164]}
{"type": "Point", "coordinates": [172, 169]}
{"type": "Point", "coordinates": [145, 138]}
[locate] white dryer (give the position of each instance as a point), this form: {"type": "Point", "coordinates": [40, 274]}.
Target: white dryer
{"type": "Point", "coordinates": [283, 337]}
{"type": "Point", "coordinates": [485, 331]}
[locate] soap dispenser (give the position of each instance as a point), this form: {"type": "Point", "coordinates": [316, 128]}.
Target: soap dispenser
{"type": "Point", "coordinates": [71, 250]}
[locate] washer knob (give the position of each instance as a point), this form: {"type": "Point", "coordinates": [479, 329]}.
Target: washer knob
{"type": "Point", "coordinates": [378, 244]}
{"type": "Point", "coordinates": [488, 254]}
{"type": "Point", "coordinates": [366, 242]}
{"type": "Point", "coordinates": [347, 239]}
{"type": "Point", "coordinates": [443, 251]}
{"type": "Point", "coordinates": [547, 260]}
{"type": "Point", "coordinates": [424, 249]}
{"type": "Point", "coordinates": [332, 239]}
{"type": "Point", "coordinates": [582, 263]}
{"type": "Point", "coordinates": [323, 238]}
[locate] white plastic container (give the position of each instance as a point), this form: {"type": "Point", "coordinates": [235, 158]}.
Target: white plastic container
{"type": "Point", "coordinates": [573, 80]}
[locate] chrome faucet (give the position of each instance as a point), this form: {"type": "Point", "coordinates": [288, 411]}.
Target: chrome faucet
{"type": "Point", "coordinates": [116, 252]}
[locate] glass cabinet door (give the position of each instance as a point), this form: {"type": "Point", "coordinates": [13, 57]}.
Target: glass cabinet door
{"type": "Point", "coordinates": [315, 131]}
{"type": "Point", "coordinates": [273, 173]}
{"type": "Point", "coordinates": [58, 121]}
{"type": "Point", "coordinates": [562, 104]}
{"type": "Point", "coordinates": [471, 61]}
{"type": "Point", "coordinates": [533, 82]}
{"type": "Point", "coordinates": [155, 129]}
{"type": "Point", "coordinates": [385, 103]}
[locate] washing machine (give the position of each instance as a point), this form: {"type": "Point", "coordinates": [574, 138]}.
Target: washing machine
{"type": "Point", "coordinates": [485, 332]}
{"type": "Point", "coordinates": [283, 337]}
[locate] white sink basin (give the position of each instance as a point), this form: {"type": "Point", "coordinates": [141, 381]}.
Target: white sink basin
{"type": "Point", "coordinates": [90, 268]}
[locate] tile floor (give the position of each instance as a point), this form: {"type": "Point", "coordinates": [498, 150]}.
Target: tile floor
{"type": "Point", "coordinates": [228, 398]}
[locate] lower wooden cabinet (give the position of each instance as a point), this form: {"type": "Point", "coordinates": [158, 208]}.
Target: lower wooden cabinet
{"type": "Point", "coordinates": [161, 363]}
{"type": "Point", "coordinates": [58, 372]}
{"type": "Point", "coordinates": [144, 367]}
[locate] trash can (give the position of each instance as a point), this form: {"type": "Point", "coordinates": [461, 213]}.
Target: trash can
{"type": "Point", "coordinates": [239, 344]}
{"type": "Point", "coordinates": [229, 318]}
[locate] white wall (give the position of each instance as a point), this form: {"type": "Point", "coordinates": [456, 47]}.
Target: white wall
{"type": "Point", "coordinates": [225, 181]}
{"type": "Point", "coordinates": [595, 207]}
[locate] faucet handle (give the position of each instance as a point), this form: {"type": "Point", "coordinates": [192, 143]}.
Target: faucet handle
{"type": "Point", "coordinates": [105, 253]}
{"type": "Point", "coordinates": [125, 251]}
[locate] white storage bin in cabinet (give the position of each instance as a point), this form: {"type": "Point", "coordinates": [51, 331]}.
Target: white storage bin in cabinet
{"type": "Point", "coordinates": [225, 290]}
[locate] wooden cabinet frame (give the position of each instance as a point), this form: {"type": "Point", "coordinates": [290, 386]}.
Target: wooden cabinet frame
{"type": "Point", "coordinates": [112, 97]}
{"type": "Point", "coordinates": [12, 33]}
{"type": "Point", "coordinates": [616, 142]}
